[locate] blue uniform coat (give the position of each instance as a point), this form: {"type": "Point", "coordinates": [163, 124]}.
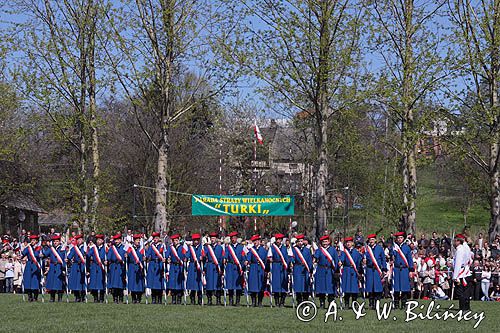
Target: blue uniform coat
{"type": "Point", "coordinates": [176, 268]}
{"type": "Point", "coordinates": [234, 278]}
{"type": "Point", "coordinates": [194, 273]}
{"type": "Point", "coordinates": [256, 275]}
{"type": "Point", "coordinates": [116, 270]}
{"type": "Point", "coordinates": [32, 273]}
{"type": "Point", "coordinates": [323, 280]}
{"type": "Point", "coordinates": [302, 276]}
{"type": "Point", "coordinates": [77, 279]}
{"type": "Point", "coordinates": [56, 279]}
{"type": "Point", "coordinates": [213, 274]}
{"type": "Point", "coordinates": [401, 273]}
{"type": "Point", "coordinates": [97, 274]}
{"type": "Point", "coordinates": [373, 281]}
{"type": "Point", "coordinates": [350, 282]}
{"type": "Point", "coordinates": [279, 274]}
{"type": "Point", "coordinates": [135, 273]}
{"type": "Point", "coordinates": [156, 268]}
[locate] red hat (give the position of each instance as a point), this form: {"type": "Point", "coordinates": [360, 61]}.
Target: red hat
{"type": "Point", "coordinates": [279, 236]}
{"type": "Point", "coordinates": [5, 240]}
{"type": "Point", "coordinates": [34, 237]}
{"type": "Point", "coordinates": [326, 237]}
{"type": "Point", "coordinates": [137, 236]}
{"type": "Point", "coordinates": [299, 237]}
{"type": "Point", "coordinates": [155, 234]}
{"type": "Point", "coordinates": [348, 239]}
{"type": "Point", "coordinates": [117, 236]}
{"type": "Point", "coordinates": [175, 236]}
{"type": "Point", "coordinates": [78, 236]}
{"type": "Point", "coordinates": [195, 236]}
{"type": "Point", "coordinates": [234, 233]}
{"type": "Point", "coordinates": [371, 236]}
{"type": "Point", "coordinates": [460, 236]}
{"type": "Point", "coordinates": [255, 237]}
{"type": "Point", "coordinates": [56, 237]}
{"type": "Point", "coordinates": [401, 233]}
{"type": "Point", "coordinates": [99, 236]}
{"type": "Point", "coordinates": [213, 234]}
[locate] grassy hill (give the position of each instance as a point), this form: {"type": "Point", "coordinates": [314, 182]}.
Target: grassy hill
{"type": "Point", "coordinates": [440, 205]}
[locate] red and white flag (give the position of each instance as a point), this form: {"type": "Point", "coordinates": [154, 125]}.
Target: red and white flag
{"type": "Point", "coordinates": [258, 135]}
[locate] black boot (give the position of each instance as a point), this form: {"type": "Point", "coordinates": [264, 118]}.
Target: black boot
{"type": "Point", "coordinates": [298, 298]}
{"type": "Point", "coordinates": [322, 301]}
{"type": "Point", "coordinates": [282, 300]}
{"type": "Point", "coordinates": [231, 297]}
{"type": "Point", "coordinates": [59, 297]}
{"type": "Point", "coordinates": [261, 296]}
{"type": "Point", "coordinates": [179, 297]}
{"type": "Point", "coordinates": [77, 297]}
{"type": "Point", "coordinates": [404, 299]}
{"type": "Point", "coordinates": [191, 297]}
{"type": "Point", "coordinates": [330, 299]}
{"type": "Point", "coordinates": [139, 298]}
{"type": "Point", "coordinates": [209, 298]}
{"type": "Point", "coordinates": [277, 300]}
{"type": "Point", "coordinates": [101, 296]}
{"type": "Point", "coordinates": [35, 295]}
{"type": "Point", "coordinates": [200, 298]}
{"type": "Point", "coordinates": [52, 297]}
{"type": "Point", "coordinates": [217, 298]}
{"type": "Point", "coordinates": [238, 297]}
{"type": "Point", "coordinates": [254, 300]}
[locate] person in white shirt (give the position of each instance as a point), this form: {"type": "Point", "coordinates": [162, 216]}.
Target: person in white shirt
{"type": "Point", "coordinates": [462, 276]}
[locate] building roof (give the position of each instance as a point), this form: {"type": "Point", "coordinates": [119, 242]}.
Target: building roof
{"type": "Point", "coordinates": [55, 217]}
{"type": "Point", "coordinates": [20, 201]}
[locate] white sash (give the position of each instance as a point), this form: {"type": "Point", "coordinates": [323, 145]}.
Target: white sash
{"type": "Point", "coordinates": [58, 257]}
{"type": "Point", "coordinates": [115, 251]}
{"type": "Point", "coordinates": [79, 254]}
{"type": "Point", "coordinates": [301, 258]}
{"type": "Point", "coordinates": [281, 256]}
{"type": "Point", "coordinates": [328, 256]}
{"type": "Point", "coordinates": [401, 254]}
{"type": "Point", "coordinates": [213, 256]}
{"type": "Point", "coordinates": [374, 261]}
{"type": "Point", "coordinates": [256, 255]}
{"type": "Point", "coordinates": [235, 258]}
{"type": "Point", "coordinates": [32, 255]}
{"type": "Point", "coordinates": [155, 250]}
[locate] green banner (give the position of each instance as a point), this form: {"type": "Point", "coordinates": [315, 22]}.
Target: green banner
{"type": "Point", "coordinates": [242, 205]}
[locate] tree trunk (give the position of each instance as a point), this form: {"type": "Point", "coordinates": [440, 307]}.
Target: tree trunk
{"type": "Point", "coordinates": [161, 187]}
{"type": "Point", "coordinates": [93, 120]}
{"type": "Point", "coordinates": [494, 228]}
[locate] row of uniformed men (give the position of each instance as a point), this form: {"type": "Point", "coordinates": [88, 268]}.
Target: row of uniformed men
{"type": "Point", "coordinates": [214, 269]}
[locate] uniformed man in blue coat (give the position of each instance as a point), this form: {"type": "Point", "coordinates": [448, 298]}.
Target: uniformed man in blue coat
{"type": "Point", "coordinates": [56, 276]}
{"type": "Point", "coordinates": [213, 269]}
{"type": "Point", "coordinates": [155, 257]}
{"type": "Point", "coordinates": [278, 257]}
{"type": "Point", "coordinates": [33, 270]}
{"type": "Point", "coordinates": [135, 271]}
{"type": "Point", "coordinates": [327, 261]}
{"type": "Point", "coordinates": [256, 263]}
{"type": "Point", "coordinates": [351, 261]}
{"type": "Point", "coordinates": [403, 265]}
{"type": "Point", "coordinates": [175, 258]}
{"type": "Point", "coordinates": [96, 257]}
{"type": "Point", "coordinates": [376, 268]}
{"type": "Point", "coordinates": [116, 270]}
{"type": "Point", "coordinates": [77, 274]}
{"type": "Point", "coordinates": [302, 263]}
{"type": "Point", "coordinates": [234, 259]}
{"type": "Point", "coordinates": [194, 258]}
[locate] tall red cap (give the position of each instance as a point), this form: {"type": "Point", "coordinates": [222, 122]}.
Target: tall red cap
{"type": "Point", "coordinates": [348, 239]}
{"type": "Point", "coordinates": [326, 237]}
{"type": "Point", "coordinates": [299, 237]}
{"type": "Point", "coordinates": [371, 236]}
{"type": "Point", "coordinates": [279, 236]}
{"type": "Point", "coordinates": [78, 237]}
{"type": "Point", "coordinates": [56, 237]}
{"type": "Point", "coordinates": [117, 236]}
{"type": "Point", "coordinates": [34, 237]}
{"type": "Point", "coordinates": [175, 236]}
{"type": "Point", "coordinates": [155, 234]}
{"type": "Point", "coordinates": [400, 233]}
{"type": "Point", "coordinates": [459, 236]}
{"type": "Point", "coordinates": [255, 237]}
{"type": "Point", "coordinates": [99, 236]}
{"type": "Point", "coordinates": [213, 234]}
{"type": "Point", "coordinates": [234, 233]}
{"type": "Point", "coordinates": [137, 236]}
{"type": "Point", "coordinates": [195, 236]}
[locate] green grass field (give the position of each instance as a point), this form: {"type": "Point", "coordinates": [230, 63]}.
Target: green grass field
{"type": "Point", "coordinates": [17, 316]}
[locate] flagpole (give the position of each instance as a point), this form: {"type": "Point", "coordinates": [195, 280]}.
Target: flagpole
{"type": "Point", "coordinates": [255, 175]}
{"type": "Point", "coordinates": [220, 181]}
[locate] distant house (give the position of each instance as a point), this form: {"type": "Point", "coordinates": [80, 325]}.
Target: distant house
{"type": "Point", "coordinates": [18, 211]}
